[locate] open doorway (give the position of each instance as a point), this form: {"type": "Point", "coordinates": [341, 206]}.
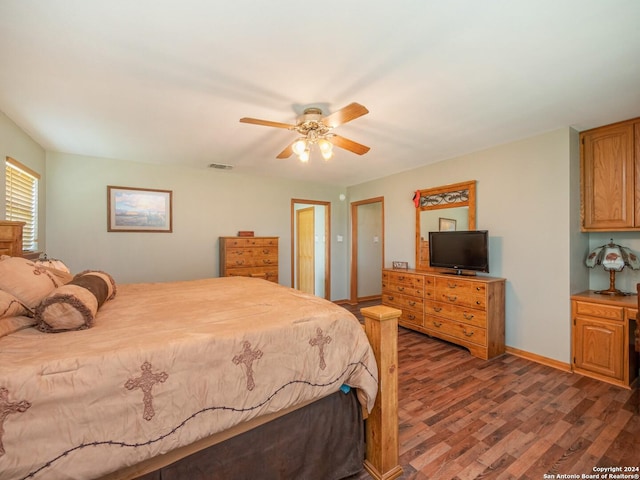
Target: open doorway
{"type": "Point", "coordinates": [367, 249]}
{"type": "Point", "coordinates": [310, 246]}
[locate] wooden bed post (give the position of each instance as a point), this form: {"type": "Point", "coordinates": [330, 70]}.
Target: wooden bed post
{"type": "Point", "coordinates": [381, 326]}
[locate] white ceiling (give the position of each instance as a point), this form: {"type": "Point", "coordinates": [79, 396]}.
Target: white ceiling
{"type": "Point", "coordinates": [166, 81]}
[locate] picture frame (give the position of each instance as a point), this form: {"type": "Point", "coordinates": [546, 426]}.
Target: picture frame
{"type": "Point", "coordinates": [400, 265]}
{"type": "Point", "coordinates": [132, 209]}
{"type": "Point", "coordinates": [446, 224]}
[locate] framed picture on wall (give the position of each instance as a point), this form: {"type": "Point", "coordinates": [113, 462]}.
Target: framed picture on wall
{"type": "Point", "coordinates": [139, 210]}
{"type": "Point", "coordinates": [446, 224]}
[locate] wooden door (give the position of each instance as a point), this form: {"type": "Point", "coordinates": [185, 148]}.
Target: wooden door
{"type": "Point", "coordinates": [305, 275]}
{"type": "Point", "coordinates": [608, 178]}
{"type": "Point", "coordinates": [372, 264]}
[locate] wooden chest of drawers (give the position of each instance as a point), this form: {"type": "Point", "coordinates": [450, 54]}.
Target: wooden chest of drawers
{"type": "Point", "coordinates": [404, 291]}
{"type": "Point", "coordinates": [467, 311]}
{"type": "Point", "coordinates": [249, 257]}
{"type": "Point", "coordinates": [11, 238]}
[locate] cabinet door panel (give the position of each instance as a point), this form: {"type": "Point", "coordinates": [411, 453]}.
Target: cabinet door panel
{"type": "Point", "coordinates": [608, 172]}
{"type": "Point", "coordinates": [599, 347]}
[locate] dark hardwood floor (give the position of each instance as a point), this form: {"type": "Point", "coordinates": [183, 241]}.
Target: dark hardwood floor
{"type": "Point", "coordinates": [506, 418]}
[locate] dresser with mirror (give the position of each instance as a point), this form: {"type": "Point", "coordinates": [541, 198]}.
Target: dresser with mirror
{"type": "Point", "coordinates": [456, 306]}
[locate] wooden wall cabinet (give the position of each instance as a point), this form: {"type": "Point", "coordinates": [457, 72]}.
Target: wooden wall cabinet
{"type": "Point", "coordinates": [467, 311]}
{"type": "Point", "coordinates": [602, 337]}
{"type": "Point", "coordinates": [249, 257]}
{"type": "Point", "coordinates": [610, 177]}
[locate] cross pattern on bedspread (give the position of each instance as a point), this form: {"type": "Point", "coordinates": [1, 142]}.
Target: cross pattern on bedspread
{"type": "Point", "coordinates": [246, 358]}
{"type": "Point", "coordinates": [7, 408]}
{"type": "Point", "coordinates": [145, 382]}
{"type": "Point", "coordinates": [320, 341]}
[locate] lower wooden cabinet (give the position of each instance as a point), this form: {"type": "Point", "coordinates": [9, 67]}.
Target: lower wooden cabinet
{"type": "Point", "coordinates": [467, 311]}
{"type": "Point", "coordinates": [602, 337]}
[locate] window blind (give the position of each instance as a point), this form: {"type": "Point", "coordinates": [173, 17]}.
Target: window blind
{"type": "Point", "coordinates": [22, 200]}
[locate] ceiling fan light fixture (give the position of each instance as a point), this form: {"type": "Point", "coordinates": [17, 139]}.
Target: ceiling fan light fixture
{"type": "Point", "coordinates": [299, 146]}
{"type": "Point", "coordinates": [325, 145]}
{"type": "Point", "coordinates": [314, 128]}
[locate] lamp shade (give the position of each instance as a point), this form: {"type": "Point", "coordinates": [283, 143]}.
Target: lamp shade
{"type": "Point", "coordinates": [613, 257]}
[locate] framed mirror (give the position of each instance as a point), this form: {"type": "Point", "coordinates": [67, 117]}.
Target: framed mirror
{"type": "Point", "coordinates": [448, 207]}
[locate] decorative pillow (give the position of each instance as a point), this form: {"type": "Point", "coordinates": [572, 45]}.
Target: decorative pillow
{"type": "Point", "coordinates": [74, 306]}
{"type": "Point", "coordinates": [13, 324]}
{"type": "Point", "coordinates": [28, 282]}
{"type": "Point", "coordinates": [108, 279]}
{"type": "Point", "coordinates": [10, 306]}
{"type": "Point", "coordinates": [45, 261]}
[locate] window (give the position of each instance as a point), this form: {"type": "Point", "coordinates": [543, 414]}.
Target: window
{"type": "Point", "coordinates": [22, 200]}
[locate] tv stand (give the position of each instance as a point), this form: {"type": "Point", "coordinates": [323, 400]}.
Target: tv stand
{"type": "Point", "coordinates": [460, 273]}
{"type": "Point", "coordinates": [461, 309]}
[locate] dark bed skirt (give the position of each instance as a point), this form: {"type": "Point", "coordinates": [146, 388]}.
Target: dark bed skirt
{"type": "Point", "coordinates": [322, 441]}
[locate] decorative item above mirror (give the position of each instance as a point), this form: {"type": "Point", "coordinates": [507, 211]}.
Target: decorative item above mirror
{"type": "Point", "coordinates": [448, 207]}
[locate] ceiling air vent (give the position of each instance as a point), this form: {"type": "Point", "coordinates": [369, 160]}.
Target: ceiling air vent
{"type": "Point", "coordinates": [220, 166]}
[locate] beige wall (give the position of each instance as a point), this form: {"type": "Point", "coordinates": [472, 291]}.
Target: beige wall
{"type": "Point", "coordinates": [524, 200]}
{"type": "Point", "coordinates": [207, 204]}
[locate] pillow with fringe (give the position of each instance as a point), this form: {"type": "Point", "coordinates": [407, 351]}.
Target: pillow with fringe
{"type": "Point", "coordinates": [45, 261]}
{"type": "Point", "coordinates": [27, 281]}
{"type": "Point", "coordinates": [74, 306]}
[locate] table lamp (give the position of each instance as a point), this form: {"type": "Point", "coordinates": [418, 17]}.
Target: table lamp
{"type": "Point", "coordinates": [613, 258]}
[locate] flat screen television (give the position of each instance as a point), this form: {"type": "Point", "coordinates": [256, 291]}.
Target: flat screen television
{"type": "Point", "coordinates": [460, 250]}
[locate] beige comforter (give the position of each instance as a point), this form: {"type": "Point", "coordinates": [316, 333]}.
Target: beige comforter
{"type": "Point", "coordinates": [168, 364]}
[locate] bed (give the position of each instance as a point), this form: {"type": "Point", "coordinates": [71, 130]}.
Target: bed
{"type": "Point", "coordinates": [151, 375]}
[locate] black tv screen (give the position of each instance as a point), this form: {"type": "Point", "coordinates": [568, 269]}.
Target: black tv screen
{"type": "Point", "coordinates": [460, 250]}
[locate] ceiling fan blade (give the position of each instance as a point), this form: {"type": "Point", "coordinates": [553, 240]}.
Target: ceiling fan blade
{"type": "Point", "coordinates": [266, 123]}
{"type": "Point", "coordinates": [350, 145]}
{"type": "Point", "coordinates": [344, 115]}
{"type": "Point", "coordinates": [287, 152]}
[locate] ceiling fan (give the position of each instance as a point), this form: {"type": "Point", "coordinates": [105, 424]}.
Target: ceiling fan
{"type": "Point", "coordinates": [316, 129]}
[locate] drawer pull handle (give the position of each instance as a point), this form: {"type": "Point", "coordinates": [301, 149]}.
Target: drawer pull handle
{"type": "Point", "coordinates": [401, 289]}
{"type": "Point", "coordinates": [468, 316]}
{"type": "Point", "coordinates": [437, 324]}
{"type": "Point", "coordinates": [412, 304]}
{"type": "Point", "coordinates": [437, 309]}
{"type": "Point", "coordinates": [239, 262]}
{"type": "Point", "coordinates": [390, 298]}
{"type": "Point", "coordinates": [400, 278]}
{"type": "Point", "coordinates": [267, 261]}
{"type": "Point", "coordinates": [452, 285]}
{"type": "Point", "coordinates": [478, 289]}
{"type": "Point", "coordinates": [452, 299]}
{"type": "Point", "coordinates": [265, 251]}
{"type": "Point", "coordinates": [411, 317]}
{"type": "Point", "coordinates": [468, 334]}
{"type": "Point", "coordinates": [478, 302]}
